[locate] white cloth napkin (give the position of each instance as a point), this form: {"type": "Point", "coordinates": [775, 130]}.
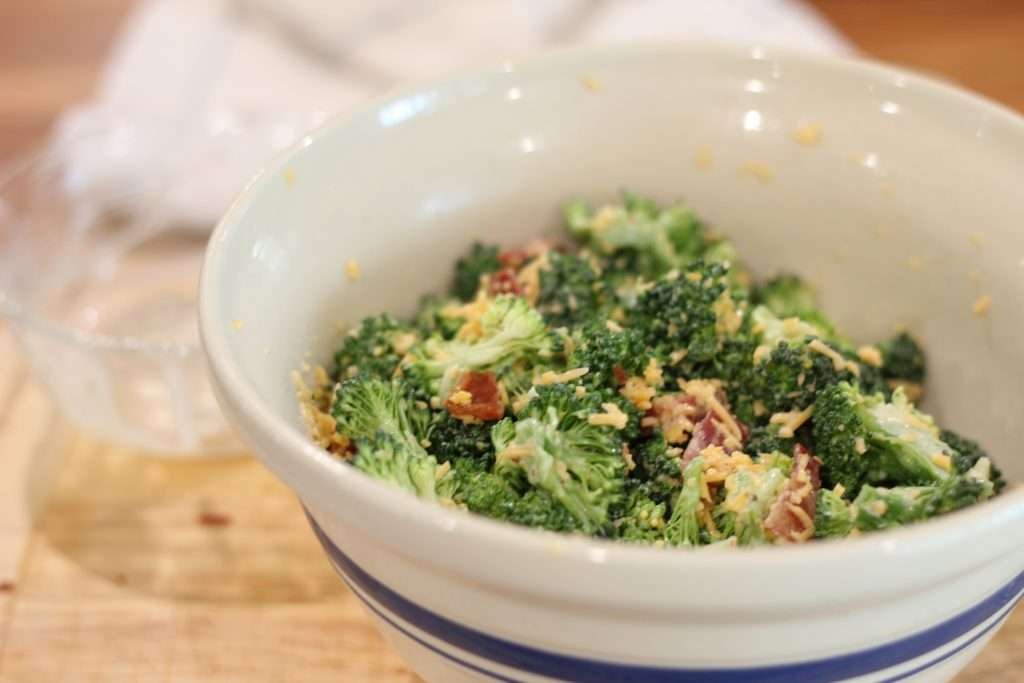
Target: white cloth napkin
{"type": "Point", "coordinates": [198, 92]}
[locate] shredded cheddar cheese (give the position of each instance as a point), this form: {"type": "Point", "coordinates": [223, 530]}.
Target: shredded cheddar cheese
{"type": "Point", "coordinates": [461, 398]}
{"type": "Point", "coordinates": [628, 457]}
{"type": "Point", "coordinates": [592, 83]}
{"type": "Point", "coordinates": [638, 392]}
{"type": "Point", "coordinates": [808, 134]}
{"type": "Point", "coordinates": [653, 374]}
{"type": "Point", "coordinates": [870, 355]}
{"type": "Point", "coordinates": [758, 170]}
{"type": "Point", "coordinates": [703, 158]}
{"type": "Point", "coordinates": [791, 421]}
{"type": "Point", "coordinates": [838, 362]}
{"type": "Point", "coordinates": [982, 306]}
{"type": "Point", "coordinates": [942, 461]}
{"type": "Point", "coordinates": [552, 377]}
{"type": "Point", "coordinates": [611, 417]}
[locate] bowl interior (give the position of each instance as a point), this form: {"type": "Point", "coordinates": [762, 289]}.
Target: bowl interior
{"type": "Point", "coordinates": [904, 211]}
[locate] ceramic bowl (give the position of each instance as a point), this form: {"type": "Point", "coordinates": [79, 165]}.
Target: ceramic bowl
{"type": "Point", "coordinates": [898, 196]}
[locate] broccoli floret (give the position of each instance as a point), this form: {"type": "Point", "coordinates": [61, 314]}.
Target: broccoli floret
{"type": "Point", "coordinates": [788, 296]}
{"type": "Point", "coordinates": [967, 453]}
{"type": "Point", "coordinates": [453, 439]}
{"type": "Point", "coordinates": [658, 467]}
{"type": "Point", "coordinates": [488, 494]}
{"type": "Point", "coordinates": [638, 237]}
{"type": "Point", "coordinates": [683, 527]}
{"type": "Point", "coordinates": [766, 439]}
{"type": "Point", "coordinates": [884, 508]}
{"type": "Point", "coordinates": [434, 317]}
{"type": "Point", "coordinates": [792, 375]}
{"type": "Point", "coordinates": [481, 260]}
{"type": "Point", "coordinates": [903, 359]}
{"type": "Point", "coordinates": [770, 330]}
{"type": "Point", "coordinates": [555, 449]}
{"type": "Point", "coordinates": [749, 494]}
{"type": "Point", "coordinates": [794, 362]}
{"type": "Point", "coordinates": [377, 417]}
{"type": "Point", "coordinates": [511, 331]}
{"type": "Point", "coordinates": [864, 439]}
{"type": "Point", "coordinates": [570, 289]}
{"type": "Point", "coordinates": [833, 517]}
{"type": "Point", "coordinates": [373, 349]}
{"type": "Point", "coordinates": [394, 461]}
{"type": "Point", "coordinates": [601, 349]}
{"type": "Point", "coordinates": [644, 518]}
{"type": "Point", "coordinates": [692, 312]}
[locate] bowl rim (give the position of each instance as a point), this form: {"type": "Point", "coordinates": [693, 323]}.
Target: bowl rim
{"type": "Point", "coordinates": [331, 475]}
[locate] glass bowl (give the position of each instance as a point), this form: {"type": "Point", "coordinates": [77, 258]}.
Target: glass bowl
{"type": "Point", "coordinates": [101, 240]}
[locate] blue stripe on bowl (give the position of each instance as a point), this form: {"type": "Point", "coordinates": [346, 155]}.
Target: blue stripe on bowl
{"type": "Point", "coordinates": [583, 670]}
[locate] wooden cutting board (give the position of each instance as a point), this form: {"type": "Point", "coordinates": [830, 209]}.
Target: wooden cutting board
{"type": "Point", "coordinates": [121, 567]}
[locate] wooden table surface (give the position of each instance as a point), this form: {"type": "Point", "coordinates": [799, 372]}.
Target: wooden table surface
{"type": "Point", "coordinates": [106, 571]}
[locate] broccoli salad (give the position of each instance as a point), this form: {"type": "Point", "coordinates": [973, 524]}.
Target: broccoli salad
{"type": "Point", "coordinates": [631, 381]}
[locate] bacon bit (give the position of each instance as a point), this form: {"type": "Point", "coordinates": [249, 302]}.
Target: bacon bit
{"type": "Point", "coordinates": [6, 586]}
{"type": "Point", "coordinates": [791, 518]}
{"type": "Point", "coordinates": [213, 519]}
{"type": "Point", "coordinates": [483, 401]}
{"type": "Point", "coordinates": [620, 375]}
{"type": "Point", "coordinates": [709, 394]}
{"type": "Point", "coordinates": [512, 258]}
{"type": "Point", "coordinates": [705, 434]}
{"type": "Point", "coordinates": [504, 281]}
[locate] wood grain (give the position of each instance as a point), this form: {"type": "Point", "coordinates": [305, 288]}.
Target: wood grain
{"type": "Point", "coordinates": [112, 574]}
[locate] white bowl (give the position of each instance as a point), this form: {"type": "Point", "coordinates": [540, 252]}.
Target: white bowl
{"type": "Point", "coordinates": [881, 213]}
